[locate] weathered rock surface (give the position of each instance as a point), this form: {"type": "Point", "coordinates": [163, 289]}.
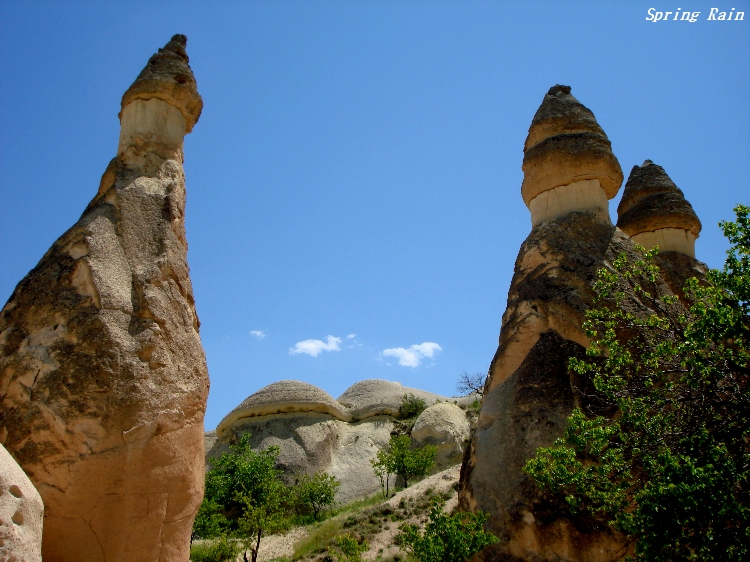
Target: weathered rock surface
{"type": "Point", "coordinates": [445, 426]}
{"type": "Point", "coordinates": [373, 397]}
{"type": "Point", "coordinates": [565, 145]}
{"type": "Point", "coordinates": [654, 212]}
{"type": "Point", "coordinates": [21, 513]}
{"type": "Point", "coordinates": [103, 379]}
{"type": "Point", "coordinates": [530, 393]}
{"type": "Point", "coordinates": [316, 432]}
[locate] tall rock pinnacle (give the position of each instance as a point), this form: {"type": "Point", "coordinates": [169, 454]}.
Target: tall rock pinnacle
{"type": "Point", "coordinates": [569, 175]}
{"type": "Point", "coordinates": [568, 163]}
{"type": "Point", "coordinates": [103, 378]}
{"type": "Point", "coordinates": [653, 211]}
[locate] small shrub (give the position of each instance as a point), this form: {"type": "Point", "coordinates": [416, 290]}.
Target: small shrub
{"type": "Point", "coordinates": [317, 492]}
{"type": "Point", "coordinates": [447, 538]}
{"type": "Point", "coordinates": [411, 406]}
{"type": "Point", "coordinates": [219, 550]}
{"type": "Point", "coordinates": [348, 549]}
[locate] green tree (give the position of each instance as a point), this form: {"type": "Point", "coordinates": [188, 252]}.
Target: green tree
{"type": "Point", "coordinates": [317, 492]}
{"type": "Point", "coordinates": [382, 464]}
{"type": "Point", "coordinates": [410, 463]}
{"type": "Point", "coordinates": [264, 511]}
{"type": "Point", "coordinates": [210, 522]}
{"type": "Point", "coordinates": [244, 496]}
{"type": "Point", "coordinates": [447, 538]}
{"type": "Point", "coordinates": [671, 469]}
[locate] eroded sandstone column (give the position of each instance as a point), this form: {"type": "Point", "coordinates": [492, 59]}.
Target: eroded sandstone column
{"type": "Point", "coordinates": [103, 379]}
{"type": "Point", "coordinates": [654, 212]}
{"type": "Point", "coordinates": [568, 163]}
{"type": "Point", "coordinates": [570, 173]}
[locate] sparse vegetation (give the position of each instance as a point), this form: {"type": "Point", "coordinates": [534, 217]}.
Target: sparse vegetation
{"type": "Point", "coordinates": [447, 538]}
{"type": "Point", "coordinates": [221, 549]}
{"type": "Point", "coordinates": [348, 548]}
{"type": "Point", "coordinates": [316, 492]}
{"type": "Point", "coordinates": [468, 384]}
{"type": "Point", "coordinates": [398, 458]}
{"type": "Point", "coordinates": [411, 406]}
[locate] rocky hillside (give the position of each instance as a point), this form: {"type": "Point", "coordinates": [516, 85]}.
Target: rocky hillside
{"type": "Point", "coordinates": [316, 432]}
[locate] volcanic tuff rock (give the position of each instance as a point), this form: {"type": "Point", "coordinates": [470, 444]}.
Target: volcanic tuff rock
{"type": "Point", "coordinates": [103, 379]}
{"type": "Point", "coordinates": [316, 432]}
{"type": "Point", "coordinates": [445, 426]}
{"type": "Point", "coordinates": [529, 392]}
{"type": "Point", "coordinates": [653, 211]}
{"type": "Point", "coordinates": [21, 513]}
{"type": "Point", "coordinates": [565, 145]}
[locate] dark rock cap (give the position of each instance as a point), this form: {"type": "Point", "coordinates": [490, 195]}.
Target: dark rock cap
{"type": "Point", "coordinates": [168, 77]}
{"type": "Point", "coordinates": [565, 144]}
{"type": "Point", "coordinates": [652, 201]}
{"type": "Point", "coordinates": [560, 113]}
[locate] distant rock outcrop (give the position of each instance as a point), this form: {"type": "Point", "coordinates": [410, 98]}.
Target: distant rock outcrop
{"type": "Point", "coordinates": [21, 514]}
{"type": "Point", "coordinates": [316, 432]}
{"type": "Point", "coordinates": [103, 379]}
{"type": "Point", "coordinates": [569, 174]}
{"type": "Point", "coordinates": [445, 426]}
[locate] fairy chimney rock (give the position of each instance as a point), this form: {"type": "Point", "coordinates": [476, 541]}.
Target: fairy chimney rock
{"type": "Point", "coordinates": [103, 378]}
{"type": "Point", "coordinates": [654, 212]}
{"type": "Point", "coordinates": [163, 104]}
{"type": "Point", "coordinates": [568, 163]}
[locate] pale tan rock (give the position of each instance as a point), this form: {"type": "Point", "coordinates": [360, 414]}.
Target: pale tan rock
{"type": "Point", "coordinates": [445, 426]}
{"type": "Point", "coordinates": [283, 397]}
{"type": "Point", "coordinates": [374, 397]}
{"type": "Point", "coordinates": [566, 145]}
{"type": "Point", "coordinates": [103, 379]}
{"type": "Point", "coordinates": [530, 391]}
{"type": "Point", "coordinates": [314, 432]}
{"type": "Point", "coordinates": [21, 514]}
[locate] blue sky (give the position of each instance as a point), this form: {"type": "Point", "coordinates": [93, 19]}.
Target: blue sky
{"type": "Point", "coordinates": [354, 179]}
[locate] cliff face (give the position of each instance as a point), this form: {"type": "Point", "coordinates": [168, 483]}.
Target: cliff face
{"type": "Point", "coordinates": [569, 173]}
{"type": "Point", "coordinates": [103, 379]}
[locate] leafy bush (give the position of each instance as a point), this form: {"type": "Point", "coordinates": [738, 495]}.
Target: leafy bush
{"type": "Point", "coordinates": [399, 458]}
{"type": "Point", "coordinates": [672, 469]}
{"type": "Point", "coordinates": [410, 463]}
{"type": "Point", "coordinates": [348, 549]}
{"type": "Point", "coordinates": [411, 406]}
{"type": "Point", "coordinates": [219, 550]}
{"type": "Point", "coordinates": [446, 538]}
{"type": "Point", "coordinates": [317, 492]}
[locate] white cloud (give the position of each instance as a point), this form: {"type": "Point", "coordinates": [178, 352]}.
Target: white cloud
{"type": "Point", "coordinates": [260, 334]}
{"type": "Point", "coordinates": [351, 336]}
{"type": "Point", "coordinates": [413, 356]}
{"type": "Point", "coordinates": [314, 347]}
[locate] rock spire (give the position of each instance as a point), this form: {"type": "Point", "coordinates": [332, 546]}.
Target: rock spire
{"type": "Point", "coordinates": [103, 378]}
{"type": "Point", "coordinates": [568, 163]}
{"type": "Point", "coordinates": [653, 211]}
{"type": "Point", "coordinates": [569, 175]}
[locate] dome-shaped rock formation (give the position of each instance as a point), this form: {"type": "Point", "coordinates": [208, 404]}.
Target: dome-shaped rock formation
{"type": "Point", "coordinates": [283, 397]}
{"type": "Point", "coordinates": [315, 432]}
{"type": "Point", "coordinates": [568, 163]}
{"type": "Point", "coordinates": [374, 397]}
{"type": "Point", "coordinates": [654, 212]}
{"type": "Point", "coordinates": [103, 375]}
{"type": "Point", "coordinates": [444, 425]}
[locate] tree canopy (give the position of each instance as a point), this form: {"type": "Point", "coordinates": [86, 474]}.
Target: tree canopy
{"type": "Point", "coordinates": [671, 468]}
